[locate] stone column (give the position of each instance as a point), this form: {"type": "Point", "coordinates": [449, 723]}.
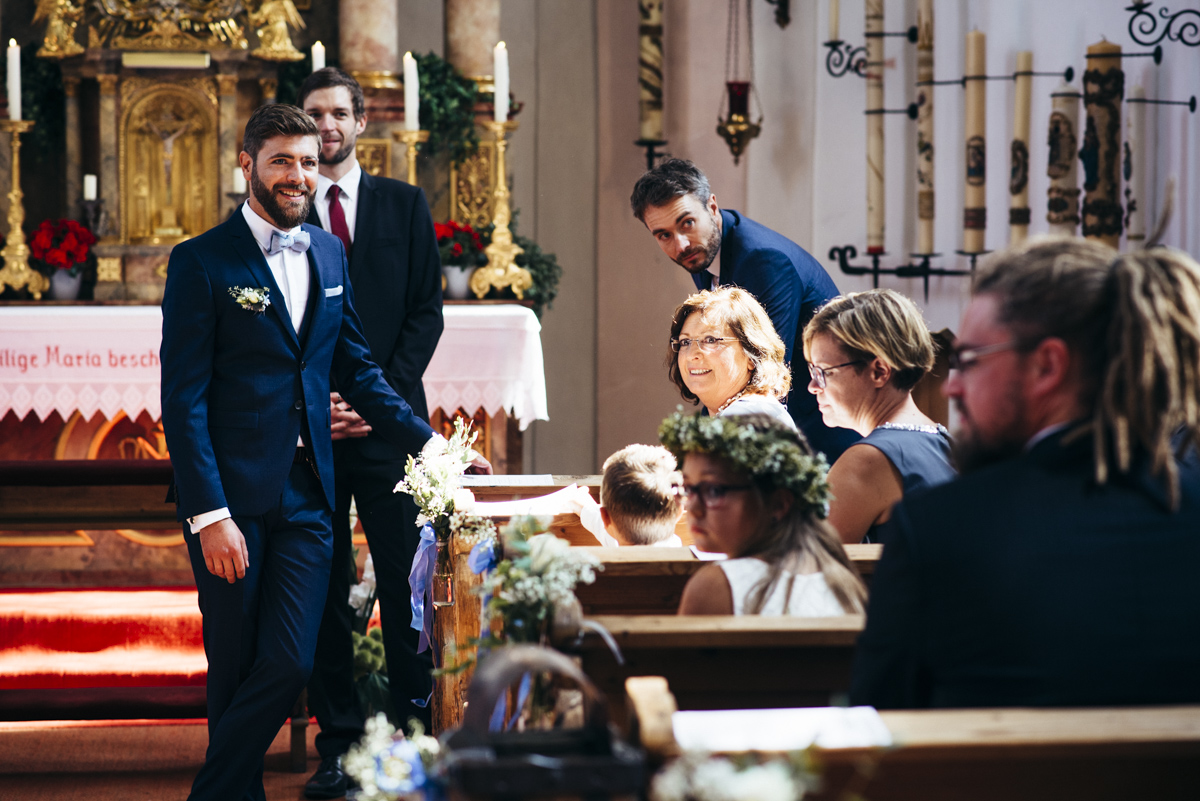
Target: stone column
{"type": "Point", "coordinates": [227, 149]}
{"type": "Point", "coordinates": [110, 186]}
{"type": "Point", "coordinates": [74, 148]}
{"type": "Point", "coordinates": [472, 30]}
{"type": "Point", "coordinates": [369, 42]}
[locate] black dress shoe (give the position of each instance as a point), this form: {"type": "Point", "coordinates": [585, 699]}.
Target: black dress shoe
{"type": "Point", "coordinates": [330, 781]}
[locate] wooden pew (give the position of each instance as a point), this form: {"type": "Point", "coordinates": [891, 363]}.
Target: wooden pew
{"type": "Point", "coordinates": [986, 754]}
{"type": "Point", "coordinates": [644, 580]}
{"type": "Point", "coordinates": [515, 488]}
{"type": "Point", "coordinates": [726, 662]}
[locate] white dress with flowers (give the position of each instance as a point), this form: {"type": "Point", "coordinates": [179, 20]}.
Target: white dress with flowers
{"type": "Point", "coordinates": [809, 595]}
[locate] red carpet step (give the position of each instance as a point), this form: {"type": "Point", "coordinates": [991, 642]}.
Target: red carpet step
{"type": "Point", "coordinates": [93, 649]}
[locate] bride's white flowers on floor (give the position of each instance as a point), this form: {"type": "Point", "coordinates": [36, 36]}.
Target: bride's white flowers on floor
{"type": "Point", "coordinates": [699, 777]}
{"type": "Point", "coordinates": [388, 765]}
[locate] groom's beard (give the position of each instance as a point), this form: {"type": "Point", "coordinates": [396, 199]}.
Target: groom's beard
{"type": "Point", "coordinates": [709, 249]}
{"type": "Point", "coordinates": [969, 451]}
{"type": "Point", "coordinates": [286, 217]}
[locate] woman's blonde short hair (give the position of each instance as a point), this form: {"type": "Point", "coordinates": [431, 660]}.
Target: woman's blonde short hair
{"type": "Point", "coordinates": [748, 321]}
{"type": "Point", "coordinates": [877, 323]}
{"type": "Point", "coordinates": [640, 491]}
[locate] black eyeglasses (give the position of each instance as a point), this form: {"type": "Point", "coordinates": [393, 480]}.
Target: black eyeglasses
{"type": "Point", "coordinates": [820, 375]}
{"type": "Point", "coordinates": [706, 344]}
{"type": "Point", "coordinates": [709, 494]}
{"type": "Point", "coordinates": [964, 358]}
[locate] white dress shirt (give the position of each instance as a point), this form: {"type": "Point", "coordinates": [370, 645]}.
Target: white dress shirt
{"type": "Point", "coordinates": [348, 198]}
{"type": "Point", "coordinates": [714, 271]}
{"type": "Point", "coordinates": [291, 273]}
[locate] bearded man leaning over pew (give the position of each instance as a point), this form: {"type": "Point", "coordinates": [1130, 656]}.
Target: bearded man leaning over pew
{"type": "Point", "coordinates": [1061, 568]}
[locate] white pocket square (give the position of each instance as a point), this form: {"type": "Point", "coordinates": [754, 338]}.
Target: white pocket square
{"type": "Point", "coordinates": [333, 291]}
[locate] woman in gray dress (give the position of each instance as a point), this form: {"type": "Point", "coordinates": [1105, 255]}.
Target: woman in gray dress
{"type": "Point", "coordinates": [866, 351]}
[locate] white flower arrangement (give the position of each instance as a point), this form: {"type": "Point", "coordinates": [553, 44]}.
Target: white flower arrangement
{"type": "Point", "coordinates": [433, 477]}
{"type": "Point", "coordinates": [538, 574]}
{"type": "Point", "coordinates": [388, 765]}
{"type": "Point", "coordinates": [701, 777]}
{"type": "Point", "coordinates": [252, 299]}
{"type": "Point", "coordinates": [363, 593]}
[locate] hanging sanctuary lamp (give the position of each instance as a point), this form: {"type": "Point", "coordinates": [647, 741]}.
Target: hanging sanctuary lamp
{"type": "Point", "coordinates": [735, 126]}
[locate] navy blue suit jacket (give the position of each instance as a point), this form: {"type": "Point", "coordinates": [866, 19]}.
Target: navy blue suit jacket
{"type": "Point", "coordinates": [238, 388]}
{"type": "Point", "coordinates": [397, 277]}
{"type": "Point", "coordinates": [1027, 584]}
{"type": "Point", "coordinates": [791, 285]}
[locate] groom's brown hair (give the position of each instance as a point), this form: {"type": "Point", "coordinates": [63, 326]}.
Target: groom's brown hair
{"type": "Point", "coordinates": [277, 119]}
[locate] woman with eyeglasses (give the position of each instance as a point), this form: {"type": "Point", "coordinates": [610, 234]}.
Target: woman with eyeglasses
{"type": "Point", "coordinates": [756, 492]}
{"type": "Point", "coordinates": [724, 354]}
{"type": "Point", "coordinates": [866, 351]}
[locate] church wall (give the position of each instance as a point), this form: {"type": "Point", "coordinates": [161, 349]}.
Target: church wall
{"type": "Point", "coordinates": [553, 50]}
{"type": "Point", "coordinates": [638, 287]}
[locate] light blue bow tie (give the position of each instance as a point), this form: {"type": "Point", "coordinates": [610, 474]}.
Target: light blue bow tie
{"type": "Point", "coordinates": [298, 242]}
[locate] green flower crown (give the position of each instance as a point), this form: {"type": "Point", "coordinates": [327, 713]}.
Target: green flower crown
{"type": "Point", "coordinates": [761, 453]}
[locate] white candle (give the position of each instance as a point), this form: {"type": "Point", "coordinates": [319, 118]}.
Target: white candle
{"type": "Point", "coordinates": [500, 76]}
{"type": "Point", "coordinates": [14, 80]}
{"type": "Point", "coordinates": [412, 97]}
{"type": "Point", "coordinates": [1135, 170]}
{"type": "Point", "coordinates": [318, 56]}
{"type": "Point", "coordinates": [833, 20]}
{"type": "Point", "coordinates": [239, 181]}
{"type": "Point", "coordinates": [89, 187]}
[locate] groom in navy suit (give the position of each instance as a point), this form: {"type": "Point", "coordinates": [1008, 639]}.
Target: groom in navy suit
{"type": "Point", "coordinates": [720, 247]}
{"type": "Point", "coordinates": [257, 315]}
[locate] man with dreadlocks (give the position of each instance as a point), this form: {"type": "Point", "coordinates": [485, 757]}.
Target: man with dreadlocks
{"type": "Point", "coordinates": [1061, 568]}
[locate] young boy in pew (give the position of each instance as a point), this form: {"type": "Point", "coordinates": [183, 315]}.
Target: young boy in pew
{"type": "Point", "coordinates": [757, 493]}
{"type": "Point", "coordinates": [640, 497]}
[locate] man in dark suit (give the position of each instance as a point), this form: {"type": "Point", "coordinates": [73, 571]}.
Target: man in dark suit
{"type": "Point", "coordinates": [257, 315]}
{"type": "Point", "coordinates": [721, 247]}
{"type": "Point", "coordinates": [1054, 572]}
{"type": "Point", "coordinates": [387, 230]}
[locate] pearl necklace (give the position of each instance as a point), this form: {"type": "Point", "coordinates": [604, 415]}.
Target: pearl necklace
{"type": "Point", "coordinates": [729, 402]}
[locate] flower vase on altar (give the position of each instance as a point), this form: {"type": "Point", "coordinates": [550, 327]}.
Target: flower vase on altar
{"type": "Point", "coordinates": [461, 251]}
{"type": "Point", "coordinates": [64, 285]}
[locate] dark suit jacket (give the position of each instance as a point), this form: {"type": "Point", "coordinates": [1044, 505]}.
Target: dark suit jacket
{"type": "Point", "coordinates": [1027, 584]}
{"type": "Point", "coordinates": [239, 387]}
{"type": "Point", "coordinates": [791, 285]}
{"type": "Point", "coordinates": [397, 277]}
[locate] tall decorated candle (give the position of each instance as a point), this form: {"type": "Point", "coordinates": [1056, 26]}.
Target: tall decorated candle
{"type": "Point", "coordinates": [875, 203]}
{"type": "Point", "coordinates": [1103, 93]}
{"type": "Point", "coordinates": [500, 76]}
{"type": "Point", "coordinates": [412, 96]}
{"type": "Point", "coordinates": [1062, 198]}
{"type": "Point", "coordinates": [975, 127]}
{"type": "Point", "coordinates": [1018, 182]}
{"type": "Point", "coordinates": [650, 70]}
{"type": "Point", "coordinates": [14, 80]}
{"type": "Point", "coordinates": [834, 12]}
{"type": "Point", "coordinates": [318, 56]}
{"type": "Point", "coordinates": [1135, 170]}
{"type": "Point", "coordinates": [925, 126]}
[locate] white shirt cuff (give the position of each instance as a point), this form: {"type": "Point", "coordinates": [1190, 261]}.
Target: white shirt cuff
{"type": "Point", "coordinates": [434, 445]}
{"type": "Point", "coordinates": [208, 518]}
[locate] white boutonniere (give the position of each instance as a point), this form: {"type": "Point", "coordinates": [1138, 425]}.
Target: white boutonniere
{"type": "Point", "coordinates": [250, 298]}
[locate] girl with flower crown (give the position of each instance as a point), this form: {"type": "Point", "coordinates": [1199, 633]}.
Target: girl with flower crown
{"type": "Point", "coordinates": [757, 493]}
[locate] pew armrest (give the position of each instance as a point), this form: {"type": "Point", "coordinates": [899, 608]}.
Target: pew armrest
{"type": "Point", "coordinates": [651, 706]}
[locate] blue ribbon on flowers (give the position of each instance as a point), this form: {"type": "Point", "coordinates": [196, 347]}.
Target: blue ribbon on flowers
{"type": "Point", "coordinates": [481, 560]}
{"type": "Point", "coordinates": [497, 720]}
{"type": "Point", "coordinates": [419, 581]}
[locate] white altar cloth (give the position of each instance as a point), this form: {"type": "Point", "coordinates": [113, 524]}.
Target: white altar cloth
{"type": "Point", "coordinates": [105, 359]}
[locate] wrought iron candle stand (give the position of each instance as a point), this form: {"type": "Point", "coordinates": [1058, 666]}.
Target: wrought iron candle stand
{"type": "Point", "coordinates": [1067, 75]}
{"type": "Point", "coordinates": [1191, 103]}
{"type": "Point", "coordinates": [652, 152]}
{"type": "Point", "coordinates": [921, 266]}
{"type": "Point", "coordinates": [1156, 54]}
{"type": "Point", "coordinates": [1143, 24]}
{"type": "Point", "coordinates": [844, 58]}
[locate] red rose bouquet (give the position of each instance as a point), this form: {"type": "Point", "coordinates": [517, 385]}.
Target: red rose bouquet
{"type": "Point", "coordinates": [459, 245]}
{"type": "Point", "coordinates": [61, 245]}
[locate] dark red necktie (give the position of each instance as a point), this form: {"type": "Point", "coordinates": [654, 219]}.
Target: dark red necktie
{"type": "Point", "coordinates": [337, 218]}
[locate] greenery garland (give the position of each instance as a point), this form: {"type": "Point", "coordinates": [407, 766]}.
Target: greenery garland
{"type": "Point", "coordinates": [767, 452]}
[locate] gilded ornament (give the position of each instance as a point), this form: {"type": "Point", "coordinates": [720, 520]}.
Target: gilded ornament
{"type": "Point", "coordinates": [62, 18]}
{"type": "Point", "coordinates": [270, 21]}
{"type": "Point", "coordinates": [108, 268]}
{"type": "Point", "coordinates": [501, 270]}
{"type": "Point", "coordinates": [16, 271]}
{"type": "Point", "coordinates": [167, 24]}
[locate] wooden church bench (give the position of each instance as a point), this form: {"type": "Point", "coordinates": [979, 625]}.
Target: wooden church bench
{"type": "Point", "coordinates": [85, 493]}
{"type": "Point", "coordinates": [1100, 754]}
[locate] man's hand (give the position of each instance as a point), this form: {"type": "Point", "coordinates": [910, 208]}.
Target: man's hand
{"type": "Point", "coordinates": [345, 423]}
{"type": "Point", "coordinates": [224, 549]}
{"type": "Point", "coordinates": [479, 466]}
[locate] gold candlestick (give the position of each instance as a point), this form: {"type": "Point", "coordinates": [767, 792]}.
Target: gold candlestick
{"type": "Point", "coordinates": [410, 140]}
{"type": "Point", "coordinates": [501, 269]}
{"type": "Point", "coordinates": [16, 272]}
